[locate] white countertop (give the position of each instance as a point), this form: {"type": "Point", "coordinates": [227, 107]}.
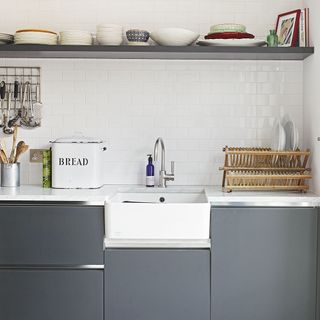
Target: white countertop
{"type": "Point", "coordinates": [214, 195]}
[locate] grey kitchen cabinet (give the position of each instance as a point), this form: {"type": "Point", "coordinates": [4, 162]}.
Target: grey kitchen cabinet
{"type": "Point", "coordinates": [51, 295]}
{"type": "Point", "coordinates": [51, 235]}
{"type": "Point", "coordinates": [51, 262]}
{"type": "Point", "coordinates": [318, 273]}
{"type": "Point", "coordinates": [264, 263]}
{"type": "Point", "coordinates": [157, 284]}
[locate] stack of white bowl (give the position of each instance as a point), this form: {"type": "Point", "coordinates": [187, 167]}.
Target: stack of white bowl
{"type": "Point", "coordinates": [109, 34]}
{"type": "Point", "coordinates": [6, 38]}
{"type": "Point", "coordinates": [75, 37]}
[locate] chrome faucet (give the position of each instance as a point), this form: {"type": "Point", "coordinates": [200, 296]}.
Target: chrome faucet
{"type": "Point", "coordinates": [163, 176]}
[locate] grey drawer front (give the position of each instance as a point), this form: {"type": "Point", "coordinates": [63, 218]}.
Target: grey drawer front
{"type": "Point", "coordinates": [51, 295]}
{"type": "Point", "coordinates": [51, 235]}
{"type": "Point", "coordinates": [157, 284]}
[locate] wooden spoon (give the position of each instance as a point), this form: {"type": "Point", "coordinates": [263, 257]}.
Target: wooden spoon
{"type": "Point", "coordinates": [3, 156]}
{"type": "Point", "coordinates": [13, 148]}
{"type": "Point", "coordinates": [21, 148]}
{"type": "Point", "coordinates": [3, 152]}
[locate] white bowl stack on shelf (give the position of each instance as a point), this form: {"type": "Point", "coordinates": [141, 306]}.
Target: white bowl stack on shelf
{"type": "Point", "coordinates": [75, 37]}
{"type": "Point", "coordinates": [35, 36]}
{"type": "Point", "coordinates": [6, 38]}
{"type": "Point", "coordinates": [109, 34]}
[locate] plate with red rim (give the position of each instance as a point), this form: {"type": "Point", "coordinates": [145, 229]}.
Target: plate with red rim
{"type": "Point", "coordinates": [36, 30]}
{"type": "Point", "coordinates": [229, 35]}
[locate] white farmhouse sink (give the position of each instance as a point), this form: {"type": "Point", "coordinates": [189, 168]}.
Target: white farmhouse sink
{"type": "Point", "coordinates": [158, 215]}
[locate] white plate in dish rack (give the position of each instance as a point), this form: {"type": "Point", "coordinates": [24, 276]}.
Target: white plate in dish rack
{"type": "Point", "coordinates": [278, 137]}
{"type": "Point", "coordinates": [232, 42]}
{"type": "Point", "coordinates": [292, 133]}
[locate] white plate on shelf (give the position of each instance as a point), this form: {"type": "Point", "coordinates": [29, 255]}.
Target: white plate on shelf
{"type": "Point", "coordinates": [232, 42]}
{"type": "Point", "coordinates": [138, 43]}
{"type": "Point", "coordinates": [35, 38]}
{"type": "Point", "coordinates": [278, 137]}
{"type": "Point", "coordinates": [292, 133]}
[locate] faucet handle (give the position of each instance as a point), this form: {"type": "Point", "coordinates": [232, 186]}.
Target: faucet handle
{"type": "Point", "coordinates": [172, 167]}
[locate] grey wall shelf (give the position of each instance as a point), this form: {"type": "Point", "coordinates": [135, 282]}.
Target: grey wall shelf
{"type": "Point", "coordinates": [153, 52]}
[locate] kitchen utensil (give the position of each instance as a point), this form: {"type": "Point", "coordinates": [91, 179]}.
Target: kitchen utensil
{"type": "Point", "coordinates": [29, 121]}
{"type": "Point", "coordinates": [21, 148]}
{"type": "Point", "coordinates": [37, 106]}
{"type": "Point", "coordinates": [7, 129]}
{"type": "Point", "coordinates": [24, 108]}
{"type": "Point", "coordinates": [17, 113]}
{"type": "Point", "coordinates": [232, 42]}
{"type": "Point", "coordinates": [15, 95]}
{"type": "Point", "coordinates": [13, 148]}
{"type": "Point", "coordinates": [77, 162]}
{"type": "Point", "coordinates": [2, 97]}
{"type": "Point", "coordinates": [3, 151]}
{"type": "Point", "coordinates": [174, 37]}
{"type": "Point", "coordinates": [2, 157]}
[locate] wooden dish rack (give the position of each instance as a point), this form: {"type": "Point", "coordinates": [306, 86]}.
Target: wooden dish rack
{"type": "Point", "coordinates": [265, 169]}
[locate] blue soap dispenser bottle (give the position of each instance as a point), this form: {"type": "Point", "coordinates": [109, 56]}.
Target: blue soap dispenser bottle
{"type": "Point", "coordinates": [150, 172]}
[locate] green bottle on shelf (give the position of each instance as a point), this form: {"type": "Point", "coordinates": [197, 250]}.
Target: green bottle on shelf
{"type": "Point", "coordinates": [46, 169]}
{"type": "Point", "coordinates": [272, 39]}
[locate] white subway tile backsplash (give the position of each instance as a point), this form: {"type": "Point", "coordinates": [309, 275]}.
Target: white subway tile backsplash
{"type": "Point", "coordinates": [197, 112]}
{"type": "Point", "coordinates": [198, 107]}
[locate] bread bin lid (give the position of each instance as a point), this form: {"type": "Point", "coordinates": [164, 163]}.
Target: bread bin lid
{"type": "Point", "coordinates": [77, 139]}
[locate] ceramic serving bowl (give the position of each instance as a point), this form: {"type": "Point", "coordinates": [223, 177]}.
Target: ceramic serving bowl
{"type": "Point", "coordinates": [174, 37]}
{"type": "Point", "coordinates": [135, 35]}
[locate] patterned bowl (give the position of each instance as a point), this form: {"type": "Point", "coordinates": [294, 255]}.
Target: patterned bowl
{"type": "Point", "coordinates": [135, 35]}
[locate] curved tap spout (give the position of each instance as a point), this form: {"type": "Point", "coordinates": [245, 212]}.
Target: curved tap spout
{"type": "Point", "coordinates": [163, 176]}
{"type": "Point", "coordinates": [163, 153]}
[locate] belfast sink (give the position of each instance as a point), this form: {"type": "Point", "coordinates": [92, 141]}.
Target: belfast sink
{"type": "Point", "coordinates": [149, 217]}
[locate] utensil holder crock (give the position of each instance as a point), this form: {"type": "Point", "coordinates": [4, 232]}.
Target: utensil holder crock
{"type": "Point", "coordinates": [10, 174]}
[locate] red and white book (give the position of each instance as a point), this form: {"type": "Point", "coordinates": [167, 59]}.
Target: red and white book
{"type": "Point", "coordinates": [302, 29]}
